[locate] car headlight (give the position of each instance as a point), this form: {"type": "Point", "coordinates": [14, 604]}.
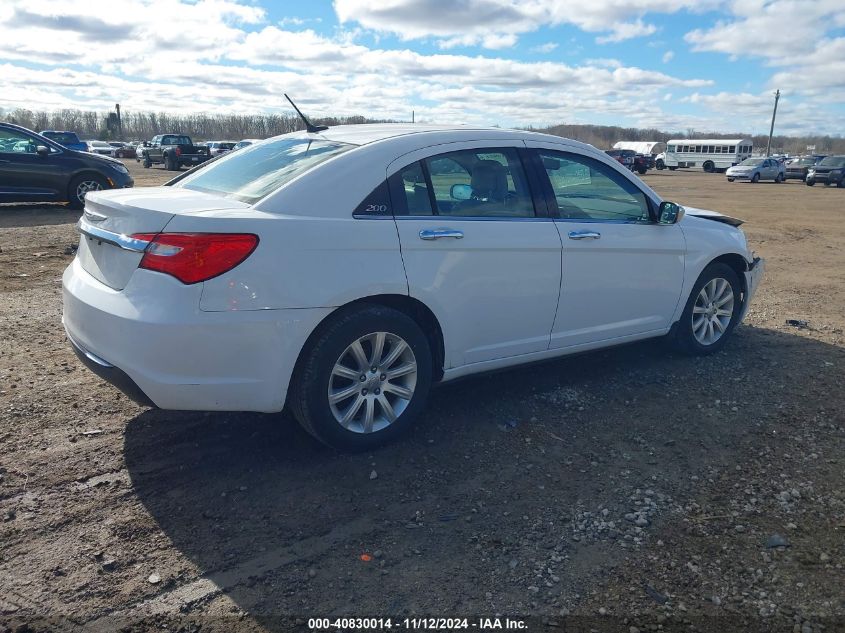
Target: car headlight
{"type": "Point", "coordinates": [119, 168]}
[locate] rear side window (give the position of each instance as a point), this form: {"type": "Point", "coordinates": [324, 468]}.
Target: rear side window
{"type": "Point", "coordinates": [256, 171]}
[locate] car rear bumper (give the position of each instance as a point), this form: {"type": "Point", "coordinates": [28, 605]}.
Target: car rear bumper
{"type": "Point", "coordinates": [153, 342]}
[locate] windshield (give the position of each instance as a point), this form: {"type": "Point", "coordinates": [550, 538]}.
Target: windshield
{"type": "Point", "coordinates": [833, 161]}
{"type": "Point", "coordinates": [63, 138]}
{"type": "Point", "coordinates": [255, 171]}
{"type": "Point", "coordinates": [750, 162]}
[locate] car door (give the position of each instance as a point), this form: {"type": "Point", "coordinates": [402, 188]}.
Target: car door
{"type": "Point", "coordinates": [26, 175]}
{"type": "Point", "coordinates": [622, 272]}
{"type": "Point", "coordinates": [475, 249]}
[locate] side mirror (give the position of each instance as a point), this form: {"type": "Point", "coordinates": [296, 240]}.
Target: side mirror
{"type": "Point", "coordinates": [669, 213]}
{"type": "Point", "coordinates": [42, 150]}
{"type": "Point", "coordinates": [460, 192]}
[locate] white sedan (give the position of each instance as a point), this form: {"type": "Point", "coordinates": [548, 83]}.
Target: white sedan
{"type": "Point", "coordinates": [341, 273]}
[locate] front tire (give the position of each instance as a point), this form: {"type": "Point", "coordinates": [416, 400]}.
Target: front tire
{"type": "Point", "coordinates": [363, 378]}
{"type": "Point", "coordinates": [660, 165]}
{"type": "Point", "coordinates": [712, 311]}
{"type": "Point", "coordinates": [809, 182]}
{"type": "Point", "coordinates": [755, 178]}
{"type": "Point", "coordinates": [731, 179]}
{"type": "Point", "coordinates": [80, 186]}
{"type": "Point", "coordinates": [147, 162]}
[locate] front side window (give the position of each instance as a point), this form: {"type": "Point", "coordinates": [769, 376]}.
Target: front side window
{"type": "Point", "coordinates": [14, 142]}
{"type": "Point", "coordinates": [586, 189]}
{"type": "Point", "coordinates": [256, 171]}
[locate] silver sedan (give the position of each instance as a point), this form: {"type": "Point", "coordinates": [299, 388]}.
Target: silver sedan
{"type": "Point", "coordinates": [757, 169]}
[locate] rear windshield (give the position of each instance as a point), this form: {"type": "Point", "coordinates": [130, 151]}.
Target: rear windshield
{"type": "Point", "coordinates": [256, 171]}
{"type": "Point", "coordinates": [833, 161]}
{"type": "Point", "coordinates": [175, 140]}
{"type": "Point", "coordinates": [63, 138]}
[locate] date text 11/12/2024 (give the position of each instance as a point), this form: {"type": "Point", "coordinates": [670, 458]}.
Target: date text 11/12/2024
{"type": "Point", "coordinates": [420, 624]}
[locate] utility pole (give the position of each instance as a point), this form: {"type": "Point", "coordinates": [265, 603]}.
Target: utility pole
{"type": "Point", "coordinates": [412, 116]}
{"type": "Point", "coordinates": [772, 129]}
{"type": "Point", "coordinates": [119, 123]}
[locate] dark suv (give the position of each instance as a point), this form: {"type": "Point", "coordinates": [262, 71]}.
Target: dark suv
{"type": "Point", "coordinates": [35, 169]}
{"type": "Point", "coordinates": [830, 171]}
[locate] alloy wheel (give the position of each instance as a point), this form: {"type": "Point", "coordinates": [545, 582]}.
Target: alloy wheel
{"type": "Point", "coordinates": [372, 382]}
{"type": "Point", "coordinates": [712, 311]}
{"type": "Point", "coordinates": [84, 187]}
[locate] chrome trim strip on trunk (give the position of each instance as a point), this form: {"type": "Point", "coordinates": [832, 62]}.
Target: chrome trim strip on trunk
{"type": "Point", "coordinates": [118, 239]}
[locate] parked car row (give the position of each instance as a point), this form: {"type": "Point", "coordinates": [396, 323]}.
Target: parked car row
{"type": "Point", "coordinates": [828, 170]}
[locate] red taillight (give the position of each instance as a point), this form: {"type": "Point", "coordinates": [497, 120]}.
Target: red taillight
{"type": "Point", "coordinates": [195, 257]}
{"type": "Point", "coordinates": [178, 151]}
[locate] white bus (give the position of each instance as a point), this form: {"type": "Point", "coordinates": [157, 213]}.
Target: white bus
{"type": "Point", "coordinates": [709, 154]}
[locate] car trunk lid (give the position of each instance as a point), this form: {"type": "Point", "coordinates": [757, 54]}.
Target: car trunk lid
{"type": "Point", "coordinates": [107, 250]}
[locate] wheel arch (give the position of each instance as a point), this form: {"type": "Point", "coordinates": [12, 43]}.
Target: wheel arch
{"type": "Point", "coordinates": [85, 171]}
{"type": "Point", "coordinates": [411, 307]}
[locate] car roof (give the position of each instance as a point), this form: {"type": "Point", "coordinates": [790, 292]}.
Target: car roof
{"type": "Point", "coordinates": [424, 135]}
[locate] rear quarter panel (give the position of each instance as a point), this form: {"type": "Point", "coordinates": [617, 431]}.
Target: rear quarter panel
{"type": "Point", "coordinates": [301, 261]}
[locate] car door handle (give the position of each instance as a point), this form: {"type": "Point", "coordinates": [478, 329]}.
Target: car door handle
{"type": "Point", "coordinates": [436, 234]}
{"type": "Point", "coordinates": [584, 235]}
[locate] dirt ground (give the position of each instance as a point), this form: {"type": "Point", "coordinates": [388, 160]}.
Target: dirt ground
{"type": "Point", "coordinates": [626, 490]}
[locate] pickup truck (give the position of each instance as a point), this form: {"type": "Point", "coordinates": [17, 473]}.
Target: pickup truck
{"type": "Point", "coordinates": [173, 151]}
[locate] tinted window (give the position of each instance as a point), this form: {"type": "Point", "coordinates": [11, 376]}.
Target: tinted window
{"type": "Point", "coordinates": [833, 161]}
{"type": "Point", "coordinates": [258, 170]}
{"type": "Point", "coordinates": [175, 140]}
{"type": "Point", "coordinates": [480, 183]}
{"type": "Point", "coordinates": [586, 189]}
{"type": "Point", "coordinates": [14, 142]}
{"type": "Point", "coordinates": [411, 183]}
{"type": "Point", "coordinates": [63, 138]}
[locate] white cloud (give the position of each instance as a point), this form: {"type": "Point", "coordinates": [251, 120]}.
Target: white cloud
{"type": "Point", "coordinates": [621, 31]}
{"type": "Point", "coordinates": [548, 47]}
{"type": "Point", "coordinates": [668, 56]}
{"type": "Point", "coordinates": [618, 20]}
{"type": "Point", "coordinates": [775, 30]}
{"type": "Point", "coordinates": [238, 62]}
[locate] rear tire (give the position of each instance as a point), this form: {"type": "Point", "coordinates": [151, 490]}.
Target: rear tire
{"type": "Point", "coordinates": [329, 366]}
{"type": "Point", "coordinates": [672, 168]}
{"type": "Point", "coordinates": [170, 162]}
{"type": "Point", "coordinates": [147, 163]}
{"type": "Point", "coordinates": [841, 183]}
{"type": "Point", "coordinates": [693, 332]}
{"type": "Point", "coordinates": [709, 167]}
{"type": "Point", "coordinates": [809, 182]}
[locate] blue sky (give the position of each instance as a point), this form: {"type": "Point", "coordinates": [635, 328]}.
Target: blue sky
{"type": "Point", "coordinates": [671, 64]}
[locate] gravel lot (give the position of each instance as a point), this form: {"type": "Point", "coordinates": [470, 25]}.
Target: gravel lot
{"type": "Point", "coordinates": [627, 490]}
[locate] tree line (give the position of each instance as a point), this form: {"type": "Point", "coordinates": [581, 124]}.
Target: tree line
{"type": "Point", "coordinates": [203, 127]}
